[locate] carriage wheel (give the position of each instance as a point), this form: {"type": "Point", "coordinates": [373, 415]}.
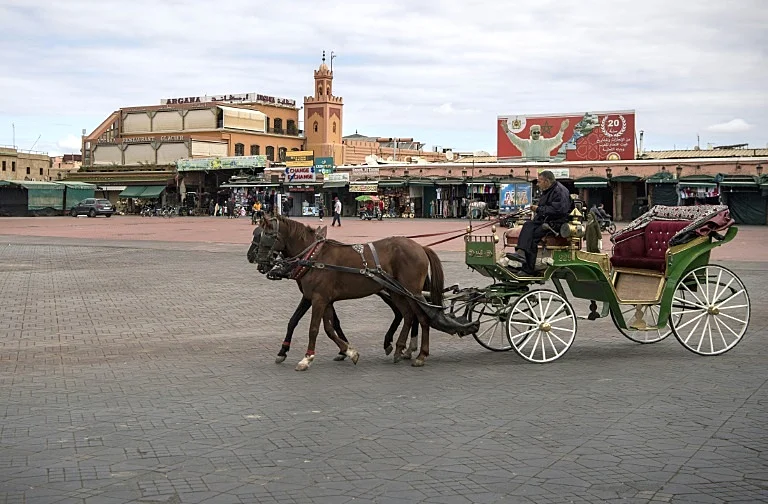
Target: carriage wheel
{"type": "Point", "coordinates": [541, 326]}
{"type": "Point", "coordinates": [651, 318]}
{"type": "Point", "coordinates": [714, 314]}
{"type": "Point", "coordinates": [492, 314]}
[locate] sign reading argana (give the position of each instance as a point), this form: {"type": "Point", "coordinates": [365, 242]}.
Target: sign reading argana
{"type": "Point", "coordinates": [232, 98]}
{"type": "Point", "coordinates": [588, 136]}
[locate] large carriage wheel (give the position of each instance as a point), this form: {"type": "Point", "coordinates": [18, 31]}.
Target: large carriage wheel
{"type": "Point", "coordinates": [541, 326]}
{"type": "Point", "coordinates": [714, 314]}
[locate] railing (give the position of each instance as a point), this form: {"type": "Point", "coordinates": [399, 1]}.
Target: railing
{"type": "Point", "coordinates": [285, 131]}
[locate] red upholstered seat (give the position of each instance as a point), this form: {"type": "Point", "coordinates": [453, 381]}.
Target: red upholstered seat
{"type": "Point", "coordinates": [646, 248]}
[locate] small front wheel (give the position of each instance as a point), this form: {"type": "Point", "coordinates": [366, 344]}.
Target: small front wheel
{"type": "Point", "coordinates": [491, 315]}
{"type": "Point", "coordinates": [541, 326]}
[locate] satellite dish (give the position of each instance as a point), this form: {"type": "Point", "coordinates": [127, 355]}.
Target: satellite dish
{"type": "Point", "coordinates": [449, 155]}
{"type": "Point", "coordinates": [371, 160]}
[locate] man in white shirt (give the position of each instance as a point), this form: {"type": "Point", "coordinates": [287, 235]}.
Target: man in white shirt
{"type": "Point", "coordinates": [536, 148]}
{"type": "Point", "coordinates": [336, 211]}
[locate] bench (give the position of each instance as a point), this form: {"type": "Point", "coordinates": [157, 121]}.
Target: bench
{"type": "Point", "coordinates": [646, 248]}
{"type": "Point", "coordinates": [548, 241]}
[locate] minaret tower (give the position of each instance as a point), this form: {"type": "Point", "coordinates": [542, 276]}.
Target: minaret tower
{"type": "Point", "coordinates": [323, 117]}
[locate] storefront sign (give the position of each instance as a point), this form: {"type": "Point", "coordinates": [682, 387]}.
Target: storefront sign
{"type": "Point", "coordinates": [219, 163]}
{"type": "Point", "coordinates": [300, 174]}
{"type": "Point", "coordinates": [324, 161]}
{"type": "Point", "coordinates": [299, 158]}
{"type": "Point", "coordinates": [559, 173]}
{"type": "Point", "coordinates": [337, 177]}
{"type": "Point", "coordinates": [301, 188]}
{"type": "Point", "coordinates": [366, 171]}
{"type": "Point", "coordinates": [363, 188]}
{"type": "Point", "coordinates": [231, 98]}
{"type": "Point", "coordinates": [146, 139]}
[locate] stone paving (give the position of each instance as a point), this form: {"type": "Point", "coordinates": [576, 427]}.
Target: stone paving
{"type": "Point", "coordinates": [143, 371]}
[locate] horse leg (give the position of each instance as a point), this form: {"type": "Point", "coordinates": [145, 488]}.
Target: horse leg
{"type": "Point", "coordinates": [424, 321]}
{"type": "Point", "coordinates": [337, 329]}
{"type": "Point", "coordinates": [345, 349]}
{"type": "Point", "coordinates": [318, 311]}
{"type": "Point", "coordinates": [405, 310]}
{"type": "Point", "coordinates": [413, 344]}
{"type": "Point", "coordinates": [393, 326]}
{"type": "Point", "coordinates": [303, 307]}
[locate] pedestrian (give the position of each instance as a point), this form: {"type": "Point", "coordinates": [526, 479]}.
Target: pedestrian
{"type": "Point", "coordinates": [321, 212]}
{"type": "Point", "coordinates": [336, 211]}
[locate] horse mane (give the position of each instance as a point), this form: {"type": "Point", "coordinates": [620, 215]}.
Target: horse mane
{"type": "Point", "coordinates": [296, 228]}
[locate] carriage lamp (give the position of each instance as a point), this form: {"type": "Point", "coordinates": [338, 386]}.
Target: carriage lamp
{"type": "Point", "coordinates": [469, 229]}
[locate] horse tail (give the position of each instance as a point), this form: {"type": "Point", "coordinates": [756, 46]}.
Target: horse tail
{"type": "Point", "coordinates": [437, 279]}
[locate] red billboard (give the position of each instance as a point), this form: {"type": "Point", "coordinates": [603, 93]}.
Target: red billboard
{"type": "Point", "coordinates": [588, 136]}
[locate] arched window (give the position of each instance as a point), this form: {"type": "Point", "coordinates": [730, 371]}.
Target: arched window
{"type": "Point", "coordinates": [328, 90]}
{"type": "Point", "coordinates": [295, 149]}
{"type": "Point", "coordinates": [278, 125]}
{"type": "Point", "coordinates": [239, 149]}
{"type": "Point", "coordinates": [254, 150]}
{"type": "Point", "coordinates": [314, 126]}
{"type": "Point", "coordinates": [320, 89]}
{"type": "Point", "coordinates": [290, 127]}
{"type": "Point", "coordinates": [281, 153]}
{"type": "Point", "coordinates": [334, 126]}
{"type": "Point", "coordinates": [271, 153]}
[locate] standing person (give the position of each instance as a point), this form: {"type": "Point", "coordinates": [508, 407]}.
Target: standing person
{"type": "Point", "coordinates": [336, 211]}
{"type": "Point", "coordinates": [271, 200]}
{"type": "Point", "coordinates": [321, 212]}
{"type": "Point", "coordinates": [231, 208]}
{"type": "Point", "coordinates": [553, 209]}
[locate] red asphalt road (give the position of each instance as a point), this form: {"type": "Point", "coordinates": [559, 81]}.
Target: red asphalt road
{"type": "Point", "coordinates": [749, 245]}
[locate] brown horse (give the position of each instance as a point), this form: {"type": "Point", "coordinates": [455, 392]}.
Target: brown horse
{"type": "Point", "coordinates": [402, 259]}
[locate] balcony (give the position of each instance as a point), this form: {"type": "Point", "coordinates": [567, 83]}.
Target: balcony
{"type": "Point", "coordinates": [286, 131]}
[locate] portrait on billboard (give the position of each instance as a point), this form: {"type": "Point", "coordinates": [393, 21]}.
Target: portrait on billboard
{"type": "Point", "coordinates": [514, 197]}
{"type": "Point", "coordinates": [588, 136]}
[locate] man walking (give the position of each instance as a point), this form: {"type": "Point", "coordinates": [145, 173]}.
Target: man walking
{"type": "Point", "coordinates": [553, 209]}
{"type": "Point", "coordinates": [336, 211]}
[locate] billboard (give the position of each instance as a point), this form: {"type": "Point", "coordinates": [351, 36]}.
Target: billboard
{"type": "Point", "coordinates": [513, 197]}
{"type": "Point", "coordinates": [299, 158]}
{"type": "Point", "coordinates": [587, 136]}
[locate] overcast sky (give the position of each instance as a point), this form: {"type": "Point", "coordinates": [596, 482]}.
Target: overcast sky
{"type": "Point", "coordinates": [438, 71]}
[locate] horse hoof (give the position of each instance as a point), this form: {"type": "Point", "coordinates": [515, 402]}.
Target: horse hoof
{"type": "Point", "coordinates": [353, 354]}
{"type": "Point", "coordinates": [388, 349]}
{"type": "Point", "coordinates": [280, 358]}
{"type": "Point", "coordinates": [304, 363]}
{"type": "Point", "coordinates": [340, 357]}
{"type": "Point", "coordinates": [397, 358]}
{"type": "Point", "coordinates": [418, 363]}
{"type": "Point", "coordinates": [407, 355]}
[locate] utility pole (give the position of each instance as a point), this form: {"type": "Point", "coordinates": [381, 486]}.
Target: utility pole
{"type": "Point", "coordinates": [333, 55]}
{"type": "Point", "coordinates": [13, 125]}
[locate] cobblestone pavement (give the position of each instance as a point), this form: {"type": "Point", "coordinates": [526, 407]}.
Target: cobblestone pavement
{"type": "Point", "coordinates": [137, 371]}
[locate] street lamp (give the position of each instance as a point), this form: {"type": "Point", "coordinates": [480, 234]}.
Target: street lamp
{"type": "Point", "coordinates": [759, 170]}
{"type": "Point", "coordinates": [608, 173]}
{"type": "Point", "coordinates": [527, 173]}
{"type": "Point", "coordinates": [679, 170]}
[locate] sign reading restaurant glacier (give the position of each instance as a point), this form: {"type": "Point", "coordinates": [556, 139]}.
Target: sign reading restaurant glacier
{"type": "Point", "coordinates": [232, 98]}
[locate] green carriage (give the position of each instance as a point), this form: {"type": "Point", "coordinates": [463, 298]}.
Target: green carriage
{"type": "Point", "coordinates": [657, 282]}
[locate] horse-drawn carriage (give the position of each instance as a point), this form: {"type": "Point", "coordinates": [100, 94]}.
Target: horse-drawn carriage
{"type": "Point", "coordinates": [657, 281]}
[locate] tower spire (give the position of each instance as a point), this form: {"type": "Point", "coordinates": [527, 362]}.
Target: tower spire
{"type": "Point", "coordinates": [323, 56]}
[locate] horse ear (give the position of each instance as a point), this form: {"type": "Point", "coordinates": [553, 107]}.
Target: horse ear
{"type": "Point", "coordinates": [322, 232]}
{"type": "Point", "coordinates": [265, 224]}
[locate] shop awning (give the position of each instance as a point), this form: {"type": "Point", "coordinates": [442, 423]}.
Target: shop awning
{"type": "Point", "coordinates": [449, 182]}
{"type": "Point", "coordinates": [152, 192]}
{"type": "Point", "coordinates": [423, 182]}
{"type": "Point", "coordinates": [707, 181]}
{"type": "Point", "coordinates": [391, 183]}
{"type": "Point", "coordinates": [132, 191]}
{"type": "Point", "coordinates": [591, 182]}
{"type": "Point", "coordinates": [626, 178]}
{"type": "Point", "coordinates": [685, 183]}
{"type": "Point", "coordinates": [662, 177]}
{"type": "Point", "coordinates": [334, 184]}
{"type": "Point", "coordinates": [741, 181]}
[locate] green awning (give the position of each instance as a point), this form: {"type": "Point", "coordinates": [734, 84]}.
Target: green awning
{"type": "Point", "coordinates": [334, 184]}
{"type": "Point", "coordinates": [449, 182]}
{"type": "Point", "coordinates": [662, 177]}
{"type": "Point", "coordinates": [591, 182]}
{"type": "Point", "coordinates": [744, 181]}
{"type": "Point", "coordinates": [132, 191]}
{"type": "Point", "coordinates": [626, 178]}
{"type": "Point", "coordinates": [391, 183]}
{"type": "Point", "coordinates": [152, 191]}
{"type": "Point", "coordinates": [421, 182]}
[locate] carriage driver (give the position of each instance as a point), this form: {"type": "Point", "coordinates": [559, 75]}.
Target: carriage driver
{"type": "Point", "coordinates": [553, 209]}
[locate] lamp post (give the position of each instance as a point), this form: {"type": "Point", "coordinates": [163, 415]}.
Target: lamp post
{"type": "Point", "coordinates": [679, 170]}
{"type": "Point", "coordinates": [527, 173]}
{"type": "Point", "coordinates": [608, 174]}
{"type": "Point", "coordinates": [759, 170]}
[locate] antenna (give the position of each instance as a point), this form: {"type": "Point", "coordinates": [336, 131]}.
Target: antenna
{"type": "Point", "coordinates": [38, 138]}
{"type": "Point", "coordinates": [13, 125]}
{"type": "Point", "coordinates": [333, 55]}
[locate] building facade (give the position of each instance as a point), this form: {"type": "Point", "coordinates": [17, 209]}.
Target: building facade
{"type": "Point", "coordinates": [18, 164]}
{"type": "Point", "coordinates": [62, 166]}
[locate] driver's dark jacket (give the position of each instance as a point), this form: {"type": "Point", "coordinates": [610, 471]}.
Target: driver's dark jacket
{"type": "Point", "coordinates": [554, 204]}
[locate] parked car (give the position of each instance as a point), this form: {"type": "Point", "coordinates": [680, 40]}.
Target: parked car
{"type": "Point", "coordinates": [93, 207]}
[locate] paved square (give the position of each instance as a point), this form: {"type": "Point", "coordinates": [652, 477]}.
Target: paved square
{"type": "Point", "coordinates": [144, 372]}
